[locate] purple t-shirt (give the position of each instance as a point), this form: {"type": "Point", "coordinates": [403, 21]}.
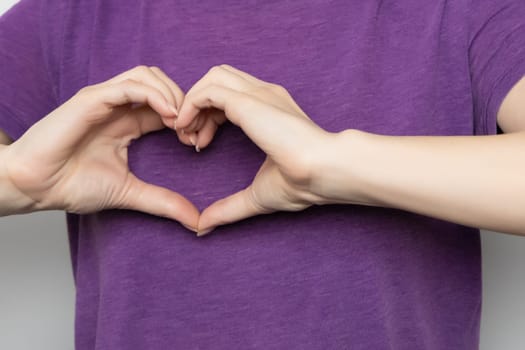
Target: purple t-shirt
{"type": "Point", "coordinates": [330, 277]}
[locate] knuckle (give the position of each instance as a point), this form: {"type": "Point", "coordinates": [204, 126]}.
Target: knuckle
{"type": "Point", "coordinates": [208, 102]}
{"type": "Point", "coordinates": [216, 70]}
{"type": "Point", "coordinates": [278, 89]}
{"type": "Point", "coordinates": [225, 66]}
{"type": "Point", "coordinates": [127, 82]}
{"type": "Point", "coordinates": [85, 90]}
{"type": "Point", "coordinates": [141, 69]}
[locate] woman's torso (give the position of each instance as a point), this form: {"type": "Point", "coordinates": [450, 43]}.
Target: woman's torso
{"type": "Point", "coordinates": [330, 277]}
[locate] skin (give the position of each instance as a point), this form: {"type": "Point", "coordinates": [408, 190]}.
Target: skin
{"type": "Point", "coordinates": [303, 167]}
{"type": "Point", "coordinates": [485, 189]}
{"type": "Point", "coordinates": [75, 158]}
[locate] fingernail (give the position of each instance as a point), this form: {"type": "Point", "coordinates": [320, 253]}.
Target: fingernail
{"type": "Point", "coordinates": [175, 124]}
{"type": "Point", "coordinates": [173, 110]}
{"type": "Point", "coordinates": [190, 228]}
{"type": "Point", "coordinates": [197, 148]}
{"type": "Point", "coordinates": [204, 232]}
{"type": "Point", "coordinates": [193, 139]}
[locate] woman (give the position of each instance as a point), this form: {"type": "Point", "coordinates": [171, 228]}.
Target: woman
{"type": "Point", "coordinates": [390, 102]}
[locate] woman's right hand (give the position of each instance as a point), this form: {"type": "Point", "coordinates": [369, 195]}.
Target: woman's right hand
{"type": "Point", "coordinates": [76, 158]}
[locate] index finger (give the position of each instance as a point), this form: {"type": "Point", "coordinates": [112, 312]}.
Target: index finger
{"type": "Point", "coordinates": [217, 75]}
{"type": "Point", "coordinates": [269, 127]}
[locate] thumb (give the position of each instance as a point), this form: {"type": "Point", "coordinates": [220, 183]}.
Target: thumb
{"type": "Point", "coordinates": [160, 201]}
{"type": "Point", "coordinates": [236, 207]}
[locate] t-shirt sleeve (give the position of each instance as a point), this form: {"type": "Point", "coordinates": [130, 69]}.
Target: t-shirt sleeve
{"type": "Point", "coordinates": [496, 56]}
{"type": "Point", "coordinates": [26, 87]}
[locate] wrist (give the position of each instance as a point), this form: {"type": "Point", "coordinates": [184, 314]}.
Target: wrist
{"type": "Point", "coordinates": [338, 177]}
{"type": "Point", "coordinates": [12, 200]}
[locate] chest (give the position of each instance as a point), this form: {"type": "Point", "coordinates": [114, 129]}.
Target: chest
{"type": "Point", "coordinates": [390, 67]}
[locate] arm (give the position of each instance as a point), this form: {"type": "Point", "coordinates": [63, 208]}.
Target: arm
{"type": "Point", "coordinates": [476, 181]}
{"type": "Point", "coordinates": [472, 180]}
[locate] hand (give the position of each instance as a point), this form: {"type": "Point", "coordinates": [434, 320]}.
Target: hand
{"type": "Point", "coordinates": [75, 158]}
{"type": "Point", "coordinates": [294, 144]}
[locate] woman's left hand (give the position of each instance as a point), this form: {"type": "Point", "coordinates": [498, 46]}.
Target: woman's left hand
{"type": "Point", "coordinates": [295, 146]}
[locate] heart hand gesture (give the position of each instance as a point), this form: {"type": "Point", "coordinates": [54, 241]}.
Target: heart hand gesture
{"type": "Point", "coordinates": [76, 157]}
{"type": "Point", "coordinates": [274, 122]}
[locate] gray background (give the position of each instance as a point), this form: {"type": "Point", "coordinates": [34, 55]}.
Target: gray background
{"type": "Point", "coordinates": [37, 295]}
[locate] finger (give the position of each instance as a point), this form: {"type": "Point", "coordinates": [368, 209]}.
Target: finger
{"type": "Point", "coordinates": [198, 121]}
{"type": "Point", "coordinates": [266, 125]}
{"type": "Point", "coordinates": [260, 82]}
{"type": "Point", "coordinates": [177, 93]}
{"type": "Point", "coordinates": [236, 207]}
{"type": "Point", "coordinates": [152, 77]}
{"type": "Point", "coordinates": [161, 202]}
{"type": "Point", "coordinates": [184, 137]}
{"type": "Point", "coordinates": [126, 92]}
{"type": "Point", "coordinates": [206, 134]}
{"type": "Point", "coordinates": [217, 75]}
{"type": "Point", "coordinates": [94, 105]}
{"type": "Point", "coordinates": [242, 74]}
{"type": "Point", "coordinates": [212, 96]}
{"type": "Point", "coordinates": [148, 120]}
{"type": "Point", "coordinates": [220, 75]}
{"type": "Point", "coordinates": [193, 128]}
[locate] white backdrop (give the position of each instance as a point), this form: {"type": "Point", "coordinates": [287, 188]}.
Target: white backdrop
{"type": "Point", "coordinates": [37, 292]}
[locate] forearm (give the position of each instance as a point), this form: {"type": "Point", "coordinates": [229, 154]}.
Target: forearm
{"type": "Point", "coordinates": [476, 181]}
{"type": "Point", "coordinates": [12, 201]}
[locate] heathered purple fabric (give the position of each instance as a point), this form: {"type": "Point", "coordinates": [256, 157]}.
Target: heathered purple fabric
{"type": "Point", "coordinates": [331, 277]}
